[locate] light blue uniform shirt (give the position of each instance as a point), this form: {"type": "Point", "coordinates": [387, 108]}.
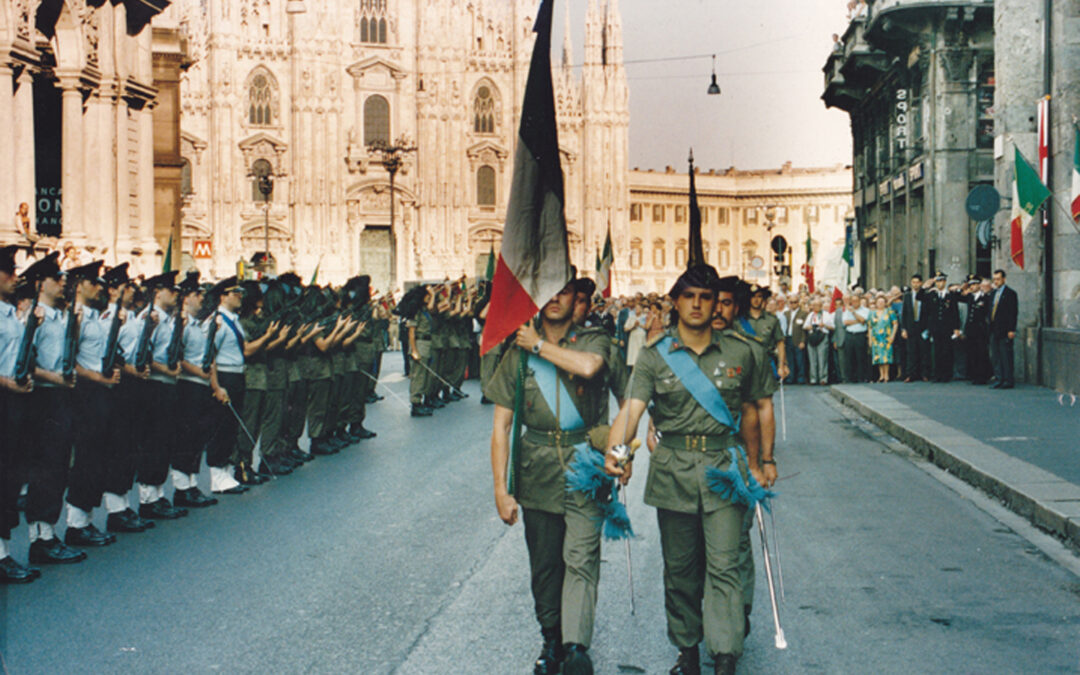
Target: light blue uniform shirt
{"type": "Point", "coordinates": [11, 334]}
{"type": "Point", "coordinates": [195, 347]}
{"type": "Point", "coordinates": [93, 333]}
{"type": "Point", "coordinates": [159, 344]}
{"type": "Point", "coordinates": [230, 354]}
{"type": "Point", "coordinates": [128, 340]}
{"type": "Point", "coordinates": [49, 341]}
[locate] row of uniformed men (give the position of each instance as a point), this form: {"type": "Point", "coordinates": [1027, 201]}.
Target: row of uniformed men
{"type": "Point", "coordinates": [97, 365]}
{"type": "Point", "coordinates": [708, 452]}
{"type": "Point", "coordinates": [439, 321]}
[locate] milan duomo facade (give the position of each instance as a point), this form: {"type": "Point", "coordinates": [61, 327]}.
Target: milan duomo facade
{"type": "Point", "coordinates": [301, 96]}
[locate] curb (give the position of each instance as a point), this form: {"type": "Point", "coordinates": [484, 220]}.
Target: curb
{"type": "Point", "coordinates": [1048, 501]}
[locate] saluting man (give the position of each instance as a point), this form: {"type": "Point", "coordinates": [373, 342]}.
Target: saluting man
{"type": "Point", "coordinates": [702, 382]}
{"type": "Point", "coordinates": [564, 399]}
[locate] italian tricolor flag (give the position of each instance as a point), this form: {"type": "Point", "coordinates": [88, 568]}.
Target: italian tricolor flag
{"type": "Point", "coordinates": [534, 262]}
{"type": "Point", "coordinates": [1075, 201]}
{"type": "Point", "coordinates": [1029, 194]}
{"type": "Point", "coordinates": [603, 275]}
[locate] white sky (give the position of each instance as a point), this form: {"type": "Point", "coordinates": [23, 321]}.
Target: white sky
{"type": "Point", "coordinates": [770, 110]}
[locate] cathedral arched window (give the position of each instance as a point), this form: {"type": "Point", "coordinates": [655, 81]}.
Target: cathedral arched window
{"type": "Point", "coordinates": [376, 120]}
{"type": "Point", "coordinates": [373, 21]}
{"type": "Point", "coordinates": [484, 111]}
{"type": "Point", "coordinates": [261, 100]}
{"type": "Point", "coordinates": [485, 186]}
{"type": "Point", "coordinates": [259, 169]}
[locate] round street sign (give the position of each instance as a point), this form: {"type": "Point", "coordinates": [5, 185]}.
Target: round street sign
{"type": "Point", "coordinates": [983, 202]}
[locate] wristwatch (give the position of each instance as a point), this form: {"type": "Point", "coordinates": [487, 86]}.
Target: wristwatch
{"type": "Point", "coordinates": [536, 347]}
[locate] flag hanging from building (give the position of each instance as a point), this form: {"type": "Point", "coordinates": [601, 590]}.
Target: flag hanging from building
{"type": "Point", "coordinates": [697, 248]}
{"type": "Point", "coordinates": [1029, 194]}
{"type": "Point", "coordinates": [1075, 201]}
{"type": "Point", "coordinates": [603, 276]}
{"type": "Point", "coordinates": [849, 248]}
{"type": "Point", "coordinates": [1044, 147]}
{"type": "Point", "coordinates": [534, 264]}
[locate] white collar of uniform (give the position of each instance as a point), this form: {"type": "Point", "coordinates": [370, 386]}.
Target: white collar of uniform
{"type": "Point", "coordinates": [230, 314]}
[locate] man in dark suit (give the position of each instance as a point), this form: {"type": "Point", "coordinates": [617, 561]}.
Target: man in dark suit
{"type": "Point", "coordinates": [912, 326]}
{"type": "Point", "coordinates": [1003, 311]}
{"type": "Point", "coordinates": [977, 330]}
{"type": "Point", "coordinates": [943, 322]}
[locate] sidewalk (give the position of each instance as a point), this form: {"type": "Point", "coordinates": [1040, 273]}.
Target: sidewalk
{"type": "Point", "coordinates": [1021, 446]}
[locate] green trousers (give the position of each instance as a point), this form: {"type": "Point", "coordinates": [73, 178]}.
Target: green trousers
{"type": "Point", "coordinates": [318, 405]}
{"type": "Point", "coordinates": [346, 398]}
{"type": "Point", "coordinates": [295, 412]}
{"type": "Point", "coordinates": [455, 369]}
{"type": "Point", "coordinates": [746, 560]}
{"type": "Point", "coordinates": [333, 408]}
{"type": "Point", "coordinates": [702, 587]}
{"type": "Point", "coordinates": [251, 414]}
{"type": "Point", "coordinates": [420, 384]}
{"type": "Point", "coordinates": [271, 423]}
{"type": "Point", "coordinates": [361, 390]}
{"type": "Point", "coordinates": [564, 561]}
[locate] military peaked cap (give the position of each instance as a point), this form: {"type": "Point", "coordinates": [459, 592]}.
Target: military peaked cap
{"type": "Point", "coordinates": [90, 272]}
{"type": "Point", "coordinates": [42, 269]}
{"type": "Point", "coordinates": [116, 276]}
{"type": "Point", "coordinates": [166, 280]}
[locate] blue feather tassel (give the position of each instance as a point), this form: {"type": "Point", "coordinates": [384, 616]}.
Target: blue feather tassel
{"type": "Point", "coordinates": [729, 484]}
{"type": "Point", "coordinates": [586, 475]}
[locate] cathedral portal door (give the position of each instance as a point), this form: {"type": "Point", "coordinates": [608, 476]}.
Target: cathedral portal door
{"type": "Point", "coordinates": [376, 254]}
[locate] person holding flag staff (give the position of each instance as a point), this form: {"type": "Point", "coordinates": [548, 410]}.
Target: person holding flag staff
{"type": "Point", "coordinates": [703, 382]}
{"type": "Point", "coordinates": [564, 400]}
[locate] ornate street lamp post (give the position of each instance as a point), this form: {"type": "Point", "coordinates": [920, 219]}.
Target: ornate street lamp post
{"type": "Point", "coordinates": [392, 157]}
{"type": "Point", "coordinates": [266, 188]}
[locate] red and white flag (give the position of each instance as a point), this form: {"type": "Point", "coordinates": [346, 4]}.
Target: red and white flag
{"type": "Point", "coordinates": [534, 262]}
{"type": "Point", "coordinates": [1044, 147]}
{"type": "Point", "coordinates": [1074, 200]}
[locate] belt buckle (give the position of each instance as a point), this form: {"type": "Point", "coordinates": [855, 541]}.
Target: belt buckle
{"type": "Point", "coordinates": [557, 435]}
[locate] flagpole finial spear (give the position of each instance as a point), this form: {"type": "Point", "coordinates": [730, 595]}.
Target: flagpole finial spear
{"type": "Point", "coordinates": [691, 157]}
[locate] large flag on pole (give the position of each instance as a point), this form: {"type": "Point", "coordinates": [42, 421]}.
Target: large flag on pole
{"type": "Point", "coordinates": [534, 263]}
{"type": "Point", "coordinates": [697, 248]}
{"type": "Point", "coordinates": [603, 276]}
{"type": "Point", "coordinates": [1044, 148]}
{"type": "Point", "coordinates": [1029, 194]}
{"type": "Point", "coordinates": [1075, 196]}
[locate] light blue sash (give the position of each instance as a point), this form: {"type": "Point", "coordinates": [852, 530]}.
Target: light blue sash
{"type": "Point", "coordinates": [697, 383]}
{"type": "Point", "coordinates": [557, 398]}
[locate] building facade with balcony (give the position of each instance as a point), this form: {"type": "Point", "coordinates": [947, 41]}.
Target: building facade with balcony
{"type": "Point", "coordinates": [754, 223]}
{"type": "Point", "coordinates": [917, 79]}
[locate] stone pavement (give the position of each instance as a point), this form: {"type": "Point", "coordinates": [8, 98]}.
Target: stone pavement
{"type": "Point", "coordinates": [1021, 446]}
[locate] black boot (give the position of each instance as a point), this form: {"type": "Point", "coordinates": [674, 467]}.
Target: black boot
{"type": "Point", "coordinates": [724, 664]}
{"type": "Point", "coordinates": [577, 661]}
{"type": "Point", "coordinates": [688, 663]}
{"type": "Point", "coordinates": [419, 410]}
{"type": "Point", "coordinates": [551, 654]}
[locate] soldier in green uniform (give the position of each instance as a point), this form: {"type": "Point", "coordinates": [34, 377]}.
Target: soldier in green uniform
{"type": "Point", "coordinates": [440, 323]}
{"type": "Point", "coordinates": [615, 370]}
{"type": "Point", "coordinates": [562, 529]}
{"type": "Point", "coordinates": [700, 450]}
{"type": "Point", "coordinates": [419, 340]}
{"type": "Point", "coordinates": [272, 417]}
{"type": "Point", "coordinates": [262, 337]}
{"type": "Point", "coordinates": [764, 327]}
{"type": "Point", "coordinates": [458, 344]}
{"type": "Point", "coordinates": [318, 369]}
{"type": "Point", "coordinates": [364, 354]}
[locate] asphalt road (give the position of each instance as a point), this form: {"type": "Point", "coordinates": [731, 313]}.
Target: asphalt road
{"type": "Point", "coordinates": [389, 557]}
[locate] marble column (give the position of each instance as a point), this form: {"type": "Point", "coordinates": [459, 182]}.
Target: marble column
{"type": "Point", "coordinates": [25, 165]}
{"type": "Point", "coordinates": [71, 182]}
{"type": "Point", "coordinates": [8, 203]}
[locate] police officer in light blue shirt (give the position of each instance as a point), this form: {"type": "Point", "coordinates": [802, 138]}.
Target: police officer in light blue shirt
{"type": "Point", "coordinates": [50, 420]}
{"type": "Point", "coordinates": [94, 407]}
{"type": "Point", "coordinates": [195, 399]}
{"type": "Point", "coordinates": [229, 344]}
{"type": "Point", "coordinates": [153, 462]}
{"type": "Point", "coordinates": [13, 400]}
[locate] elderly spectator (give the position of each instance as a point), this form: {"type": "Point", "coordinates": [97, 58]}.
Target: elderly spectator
{"type": "Point", "coordinates": [816, 329]}
{"type": "Point", "coordinates": [883, 325]}
{"type": "Point", "coordinates": [635, 330]}
{"type": "Point", "coordinates": [856, 352]}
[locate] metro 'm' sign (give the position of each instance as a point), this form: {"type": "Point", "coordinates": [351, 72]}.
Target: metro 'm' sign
{"type": "Point", "coordinates": [202, 248]}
